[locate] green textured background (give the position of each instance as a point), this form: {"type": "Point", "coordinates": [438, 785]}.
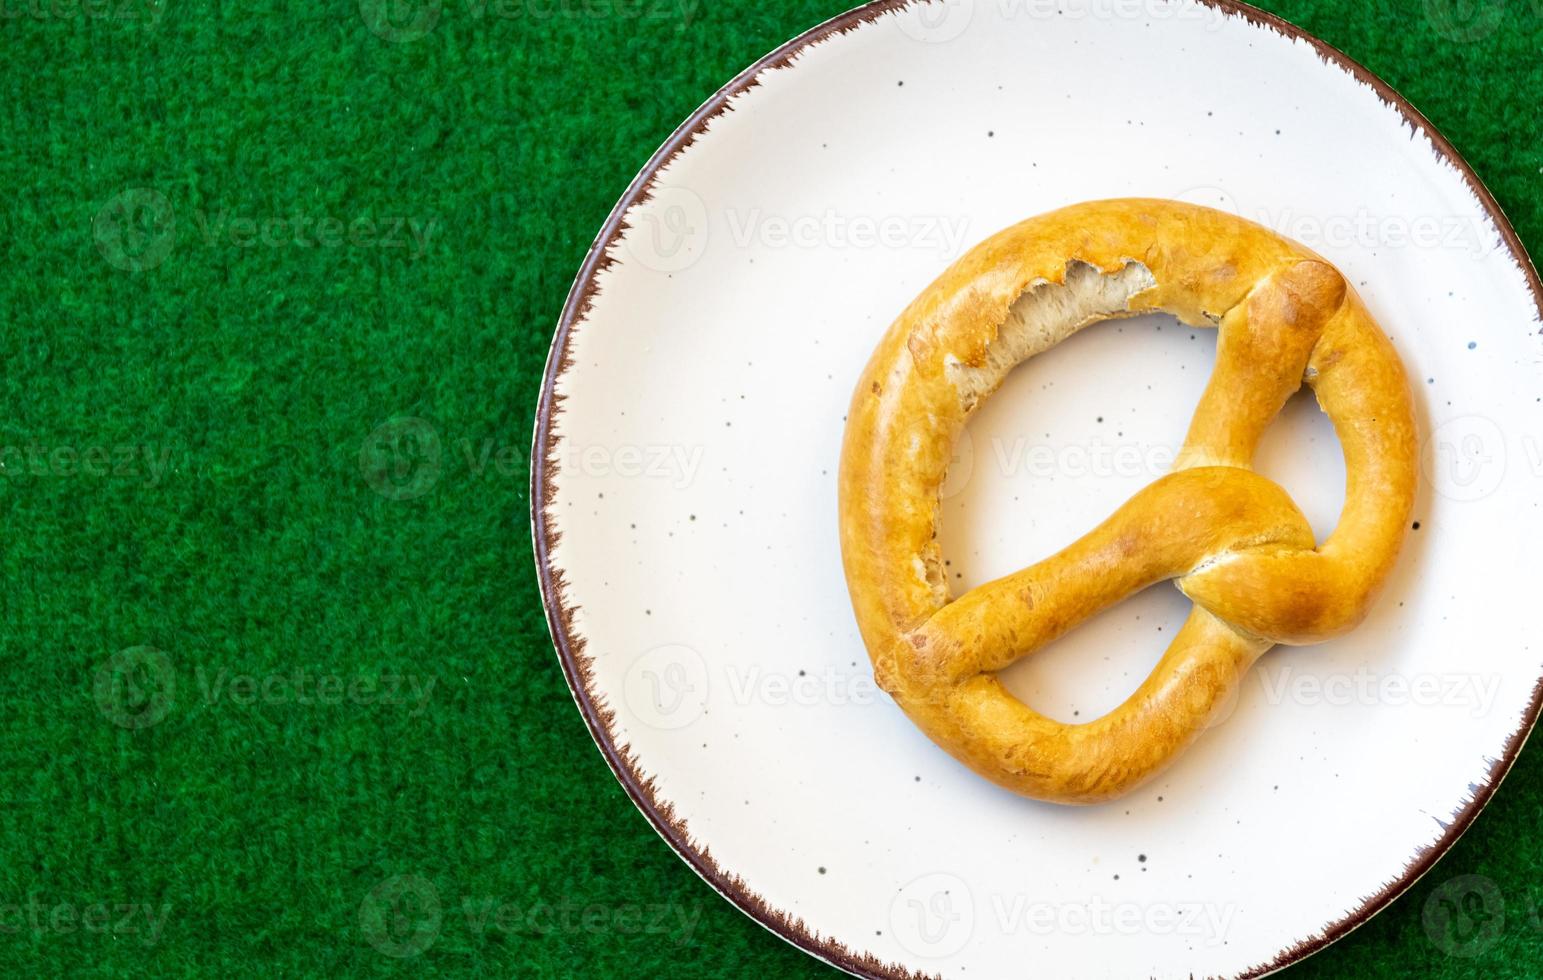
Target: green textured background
{"type": "Point", "coordinates": [193, 465]}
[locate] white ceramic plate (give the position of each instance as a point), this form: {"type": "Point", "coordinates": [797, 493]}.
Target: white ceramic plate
{"type": "Point", "coordinates": [685, 502]}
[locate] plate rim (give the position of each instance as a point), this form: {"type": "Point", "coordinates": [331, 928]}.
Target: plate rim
{"type": "Point", "coordinates": [569, 644]}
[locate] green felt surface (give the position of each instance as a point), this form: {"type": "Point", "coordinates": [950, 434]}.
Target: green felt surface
{"type": "Point", "coordinates": [190, 469]}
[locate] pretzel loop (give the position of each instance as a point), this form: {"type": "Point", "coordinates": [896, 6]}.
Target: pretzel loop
{"type": "Point", "coordinates": [1233, 541]}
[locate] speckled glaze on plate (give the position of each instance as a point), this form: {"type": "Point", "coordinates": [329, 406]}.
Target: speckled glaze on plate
{"type": "Point", "coordinates": [684, 502]}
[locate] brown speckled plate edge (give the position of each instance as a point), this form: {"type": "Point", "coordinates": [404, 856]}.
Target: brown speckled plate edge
{"type": "Point", "coordinates": [570, 645]}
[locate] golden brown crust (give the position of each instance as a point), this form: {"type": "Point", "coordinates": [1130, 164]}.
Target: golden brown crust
{"type": "Point", "coordinates": [1233, 541]}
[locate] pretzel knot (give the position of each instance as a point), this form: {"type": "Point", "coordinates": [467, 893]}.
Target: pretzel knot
{"type": "Point", "coordinates": [1232, 540]}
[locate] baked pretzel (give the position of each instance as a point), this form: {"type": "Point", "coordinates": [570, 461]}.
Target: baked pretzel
{"type": "Point", "coordinates": [1233, 541]}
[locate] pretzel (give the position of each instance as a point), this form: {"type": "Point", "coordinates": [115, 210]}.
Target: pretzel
{"type": "Point", "coordinates": [1232, 540]}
